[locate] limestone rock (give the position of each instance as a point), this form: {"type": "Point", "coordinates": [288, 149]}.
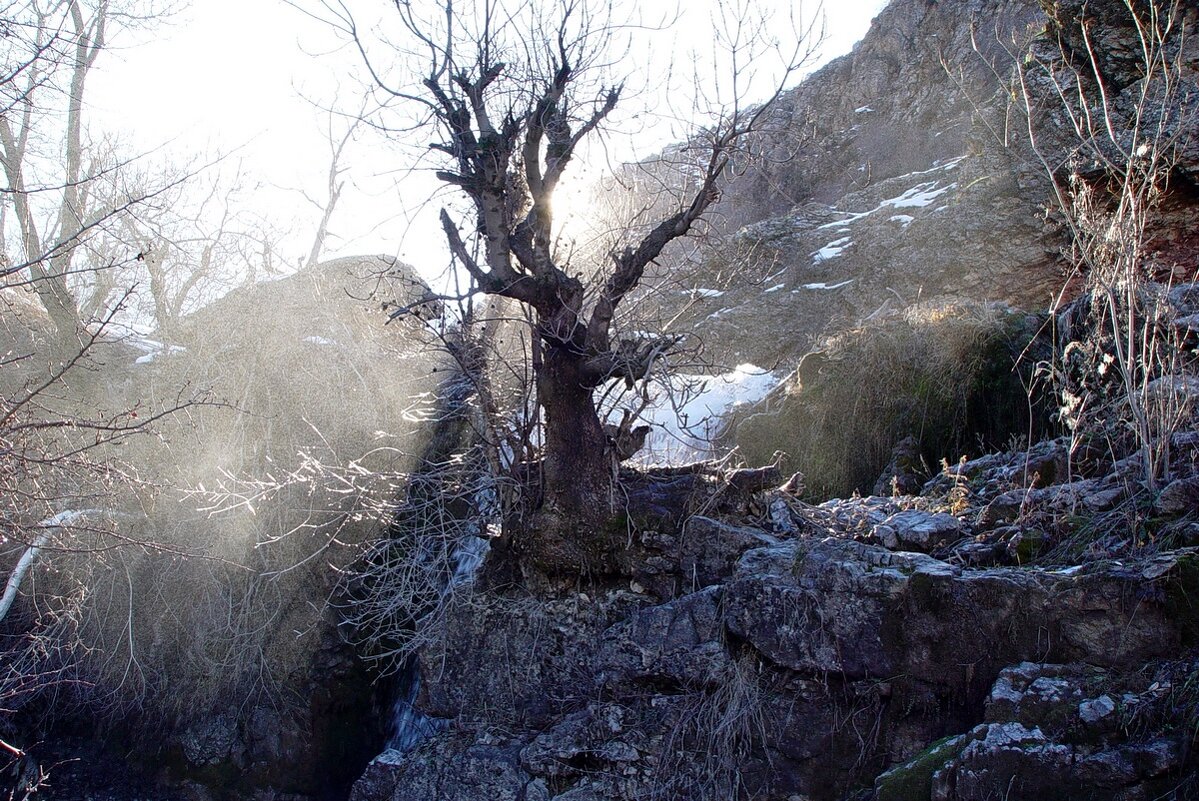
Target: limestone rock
{"type": "Point", "coordinates": [1049, 733]}
{"type": "Point", "coordinates": [1011, 761]}
{"type": "Point", "coordinates": [709, 549]}
{"type": "Point", "coordinates": [448, 768]}
{"type": "Point", "coordinates": [822, 607]}
{"type": "Point", "coordinates": [1179, 497]}
{"type": "Point", "coordinates": [902, 474]}
{"type": "Point", "coordinates": [915, 530]}
{"type": "Point", "coordinates": [862, 611]}
{"type": "Point", "coordinates": [519, 658]}
{"type": "Point", "coordinates": [581, 742]}
{"type": "Point", "coordinates": [680, 642]}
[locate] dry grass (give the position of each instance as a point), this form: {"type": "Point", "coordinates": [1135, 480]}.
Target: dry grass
{"type": "Point", "coordinates": [713, 738]}
{"type": "Point", "coordinates": [948, 375]}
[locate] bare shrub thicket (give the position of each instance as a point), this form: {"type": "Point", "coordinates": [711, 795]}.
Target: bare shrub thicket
{"type": "Point", "coordinates": [1122, 118]}
{"type": "Point", "coordinates": [288, 410]}
{"type": "Point", "coordinates": [395, 597]}
{"type": "Point", "coordinates": [328, 410]}
{"type": "Point", "coordinates": [203, 582]}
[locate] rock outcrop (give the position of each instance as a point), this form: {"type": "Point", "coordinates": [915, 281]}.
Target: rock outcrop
{"type": "Point", "coordinates": [778, 649]}
{"type": "Point", "coordinates": [903, 172]}
{"type": "Point", "coordinates": [812, 666]}
{"type": "Point", "coordinates": [1053, 731]}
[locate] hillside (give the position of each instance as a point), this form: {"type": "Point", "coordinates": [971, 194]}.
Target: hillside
{"type": "Point", "coordinates": [899, 173]}
{"type": "Point", "coordinates": [915, 518]}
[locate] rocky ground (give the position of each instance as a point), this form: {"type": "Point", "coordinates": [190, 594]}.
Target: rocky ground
{"type": "Point", "coordinates": [909, 646]}
{"type": "Point", "coordinates": [1021, 625]}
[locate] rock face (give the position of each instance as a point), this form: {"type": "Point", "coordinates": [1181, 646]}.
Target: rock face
{"type": "Point", "coordinates": [893, 176]}
{"type": "Point", "coordinates": [812, 666]}
{"type": "Point", "coordinates": [903, 172]}
{"type": "Point", "coordinates": [772, 649]}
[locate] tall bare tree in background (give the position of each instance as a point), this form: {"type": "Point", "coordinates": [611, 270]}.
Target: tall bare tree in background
{"type": "Point", "coordinates": [340, 132]}
{"type": "Point", "coordinates": [83, 220]}
{"type": "Point", "coordinates": [60, 485]}
{"type": "Point", "coordinates": [53, 47]}
{"type": "Point", "coordinates": [509, 94]}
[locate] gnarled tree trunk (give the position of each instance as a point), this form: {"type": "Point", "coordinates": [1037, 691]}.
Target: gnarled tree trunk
{"type": "Point", "coordinates": [578, 471]}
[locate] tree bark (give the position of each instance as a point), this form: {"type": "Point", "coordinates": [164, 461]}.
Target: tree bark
{"type": "Point", "coordinates": [578, 472]}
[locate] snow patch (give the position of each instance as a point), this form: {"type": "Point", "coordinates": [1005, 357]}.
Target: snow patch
{"type": "Point", "coordinates": [938, 166]}
{"type": "Point", "coordinates": [686, 416]}
{"type": "Point", "coordinates": [918, 196]}
{"type": "Point", "coordinates": [319, 340]}
{"type": "Point", "coordinates": [822, 285]}
{"type": "Point", "coordinates": [706, 293]}
{"type": "Point", "coordinates": [949, 165]}
{"type": "Point", "coordinates": [151, 349]}
{"type": "Point", "coordinates": [863, 110]}
{"type": "Point", "coordinates": [832, 250]}
{"type": "Point", "coordinates": [849, 220]}
{"type": "Point", "coordinates": [905, 219]}
{"type": "Point", "coordinates": [774, 288]}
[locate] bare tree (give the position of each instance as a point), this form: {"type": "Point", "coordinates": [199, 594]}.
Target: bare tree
{"type": "Point", "coordinates": [338, 140]}
{"type": "Point", "coordinates": [511, 92]}
{"type": "Point", "coordinates": [50, 167]}
{"type": "Point", "coordinates": [76, 36]}
{"type": "Point", "coordinates": [195, 237]}
{"type": "Point", "coordinates": [62, 483]}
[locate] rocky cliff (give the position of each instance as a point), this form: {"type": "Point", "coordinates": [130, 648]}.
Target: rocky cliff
{"type": "Point", "coordinates": [892, 175]}
{"type": "Point", "coordinates": [902, 172]}
{"type": "Point", "coordinates": [1021, 626]}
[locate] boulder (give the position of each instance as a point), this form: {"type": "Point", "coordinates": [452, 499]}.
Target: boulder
{"type": "Point", "coordinates": [902, 476]}
{"type": "Point", "coordinates": [1051, 731]}
{"type": "Point", "coordinates": [1179, 497]}
{"type": "Point", "coordinates": [595, 738]}
{"type": "Point", "coordinates": [708, 549]}
{"type": "Point", "coordinates": [1011, 761]}
{"type": "Point", "coordinates": [915, 530]}
{"type": "Point", "coordinates": [450, 767]}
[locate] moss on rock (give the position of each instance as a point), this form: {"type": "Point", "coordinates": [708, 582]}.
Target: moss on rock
{"type": "Point", "coordinates": [913, 780]}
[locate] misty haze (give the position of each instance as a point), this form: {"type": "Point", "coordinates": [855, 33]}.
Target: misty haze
{"type": "Point", "coordinates": [582, 400]}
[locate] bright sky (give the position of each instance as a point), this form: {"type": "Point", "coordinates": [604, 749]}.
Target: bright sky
{"type": "Point", "coordinates": [231, 76]}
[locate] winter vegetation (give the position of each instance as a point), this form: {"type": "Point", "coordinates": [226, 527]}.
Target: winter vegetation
{"type": "Point", "coordinates": [841, 442]}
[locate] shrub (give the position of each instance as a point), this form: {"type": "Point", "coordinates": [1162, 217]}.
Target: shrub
{"type": "Point", "coordinates": [951, 376]}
